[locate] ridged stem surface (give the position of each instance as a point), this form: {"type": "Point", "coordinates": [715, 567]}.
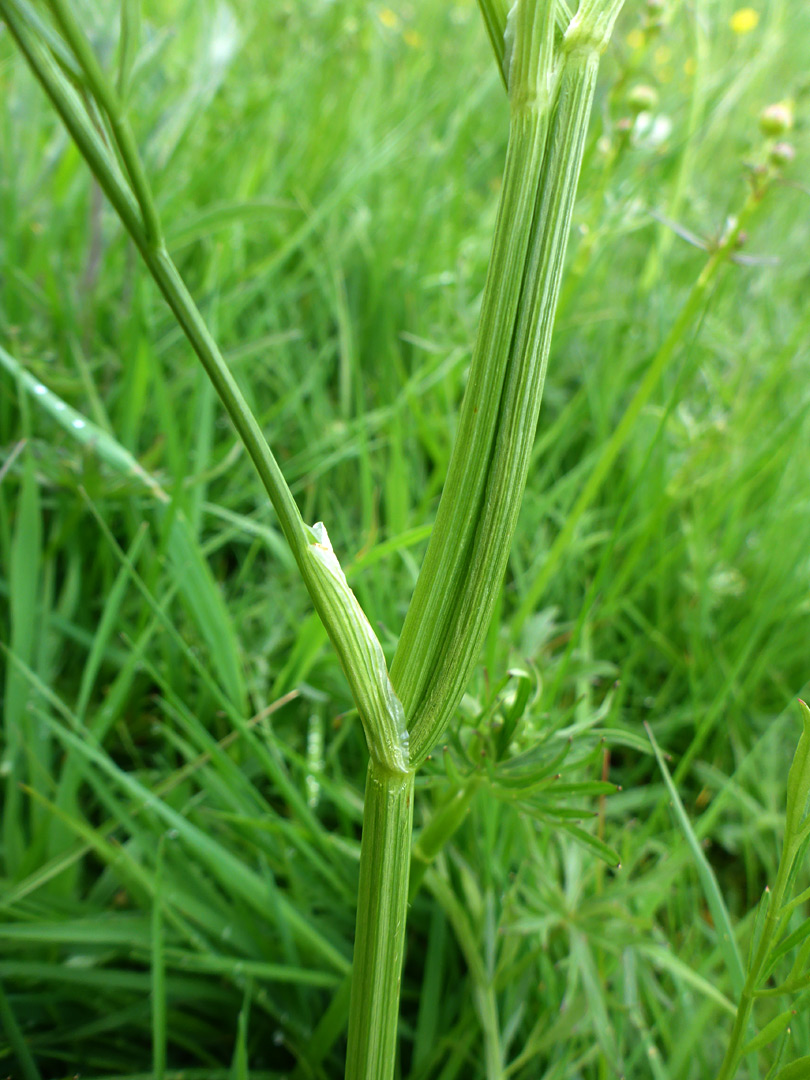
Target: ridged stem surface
{"type": "Point", "coordinates": [379, 942]}
{"type": "Point", "coordinates": [466, 559]}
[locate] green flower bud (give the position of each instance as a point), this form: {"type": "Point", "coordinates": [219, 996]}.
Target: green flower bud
{"type": "Point", "coordinates": [642, 99]}
{"type": "Point", "coordinates": [776, 119]}
{"type": "Point", "coordinates": [782, 153]}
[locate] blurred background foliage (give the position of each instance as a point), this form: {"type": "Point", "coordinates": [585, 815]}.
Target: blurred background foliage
{"type": "Point", "coordinates": [182, 771]}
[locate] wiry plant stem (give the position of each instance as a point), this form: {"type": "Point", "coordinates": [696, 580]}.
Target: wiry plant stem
{"type": "Point", "coordinates": [357, 647]}
{"type": "Point", "coordinates": [797, 829]}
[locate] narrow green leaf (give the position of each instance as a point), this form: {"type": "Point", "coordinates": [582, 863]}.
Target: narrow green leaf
{"type": "Point", "coordinates": [203, 598]}
{"type": "Point", "coordinates": [771, 1030]}
{"type": "Point", "coordinates": [667, 960]}
{"type": "Point", "coordinates": [23, 740]}
{"type": "Point", "coordinates": [615, 736]}
{"type": "Point", "coordinates": [107, 624]}
{"type": "Point", "coordinates": [711, 890]}
{"type": "Point", "coordinates": [799, 935]}
{"type": "Point", "coordinates": [495, 13]}
{"type": "Point", "coordinates": [158, 991]}
{"type": "Point", "coordinates": [330, 1027]}
{"type": "Point", "coordinates": [239, 1064]}
{"type": "Point", "coordinates": [84, 431]}
{"type": "Point", "coordinates": [798, 784]}
{"type": "Point", "coordinates": [235, 967]}
{"type": "Point", "coordinates": [516, 710]}
{"type": "Point", "coordinates": [593, 844]}
{"type": "Point", "coordinates": [16, 1040]}
{"type": "Point", "coordinates": [587, 787]}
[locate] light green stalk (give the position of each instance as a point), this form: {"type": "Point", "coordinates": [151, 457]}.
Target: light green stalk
{"type": "Point", "coordinates": [797, 828]}
{"type": "Point", "coordinates": [357, 647]}
{"type": "Point", "coordinates": [381, 915]}
{"type": "Point", "coordinates": [550, 103]}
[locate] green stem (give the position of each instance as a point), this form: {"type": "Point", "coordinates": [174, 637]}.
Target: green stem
{"type": "Point", "coordinates": [432, 616]}
{"type": "Point", "coordinates": [484, 994]}
{"type": "Point", "coordinates": [71, 109]}
{"type": "Point", "coordinates": [108, 100]}
{"type": "Point", "coordinates": [357, 647]}
{"type": "Point", "coordinates": [466, 559]}
{"type": "Point", "coordinates": [773, 920]}
{"type": "Point", "coordinates": [382, 905]}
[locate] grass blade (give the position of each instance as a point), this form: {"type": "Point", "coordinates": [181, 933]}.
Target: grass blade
{"type": "Point", "coordinates": [711, 890]}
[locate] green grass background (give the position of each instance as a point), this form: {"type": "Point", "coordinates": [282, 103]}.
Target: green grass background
{"type": "Point", "coordinates": [179, 851]}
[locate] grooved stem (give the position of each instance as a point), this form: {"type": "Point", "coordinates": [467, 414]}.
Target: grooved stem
{"type": "Point", "coordinates": [379, 942]}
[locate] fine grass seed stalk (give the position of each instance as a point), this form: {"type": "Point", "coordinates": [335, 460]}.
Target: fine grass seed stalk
{"type": "Point", "coordinates": [548, 61]}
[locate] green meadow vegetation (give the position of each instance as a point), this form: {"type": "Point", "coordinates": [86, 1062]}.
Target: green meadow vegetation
{"type": "Point", "coordinates": [609, 874]}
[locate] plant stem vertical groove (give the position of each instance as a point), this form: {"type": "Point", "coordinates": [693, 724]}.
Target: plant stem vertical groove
{"type": "Point", "coordinates": [382, 905]}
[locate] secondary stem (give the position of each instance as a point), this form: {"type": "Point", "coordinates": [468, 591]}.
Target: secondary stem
{"type": "Point", "coordinates": [734, 1051]}
{"type": "Point", "coordinates": [381, 915]}
{"type": "Point", "coordinates": [355, 643]}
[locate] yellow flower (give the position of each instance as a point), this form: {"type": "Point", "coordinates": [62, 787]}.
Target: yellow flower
{"type": "Point", "coordinates": [413, 38]}
{"type": "Point", "coordinates": [389, 18]}
{"type": "Point", "coordinates": [744, 20]}
{"type": "Point", "coordinates": [635, 39]}
{"type": "Point", "coordinates": [690, 65]}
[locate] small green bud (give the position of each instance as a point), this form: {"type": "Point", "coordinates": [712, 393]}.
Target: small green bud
{"type": "Point", "coordinates": [777, 119]}
{"type": "Point", "coordinates": [642, 99]}
{"type": "Point", "coordinates": [782, 153]}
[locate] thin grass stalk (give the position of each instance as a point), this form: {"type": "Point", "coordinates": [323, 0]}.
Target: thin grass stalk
{"type": "Point", "coordinates": [797, 830]}
{"type": "Point", "coordinates": [494, 14]}
{"type": "Point", "coordinates": [358, 649]}
{"type": "Point", "coordinates": [735, 1050]}
{"type": "Point", "coordinates": [107, 98]}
